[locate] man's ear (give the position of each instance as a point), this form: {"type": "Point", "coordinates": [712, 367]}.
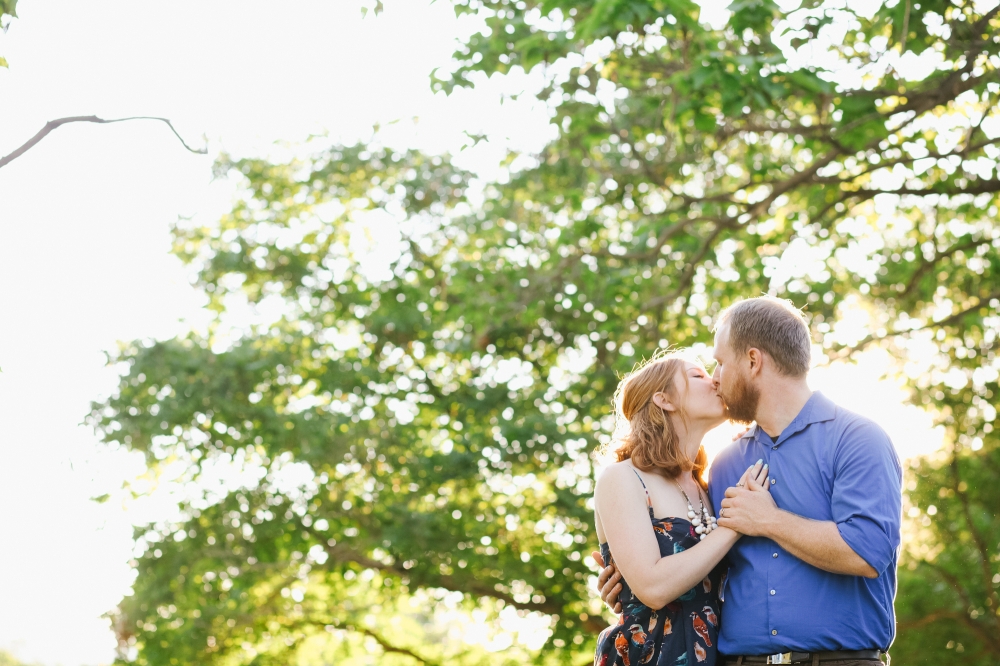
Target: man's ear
{"type": "Point", "coordinates": [756, 358]}
{"type": "Point", "coordinates": [661, 401]}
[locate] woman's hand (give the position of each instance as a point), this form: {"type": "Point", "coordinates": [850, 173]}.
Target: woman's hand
{"type": "Point", "coordinates": [749, 508]}
{"type": "Point", "coordinates": [755, 477]}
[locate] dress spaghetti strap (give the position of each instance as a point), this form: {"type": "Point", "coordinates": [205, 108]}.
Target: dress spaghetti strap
{"type": "Point", "coordinates": [649, 503]}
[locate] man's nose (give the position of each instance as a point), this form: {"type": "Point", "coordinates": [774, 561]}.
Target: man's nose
{"type": "Point", "coordinates": [715, 377]}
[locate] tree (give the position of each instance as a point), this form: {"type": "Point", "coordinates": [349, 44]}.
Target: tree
{"type": "Point", "coordinates": [440, 408]}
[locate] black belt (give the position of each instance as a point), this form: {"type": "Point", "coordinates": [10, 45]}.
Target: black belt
{"type": "Point", "coordinates": [803, 657]}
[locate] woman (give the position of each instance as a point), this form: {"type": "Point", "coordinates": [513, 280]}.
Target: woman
{"type": "Point", "coordinates": [671, 567]}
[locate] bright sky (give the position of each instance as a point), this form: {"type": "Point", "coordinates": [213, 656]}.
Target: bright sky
{"type": "Point", "coordinates": [84, 259]}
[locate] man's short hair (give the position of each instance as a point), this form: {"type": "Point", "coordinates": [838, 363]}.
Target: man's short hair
{"type": "Point", "coordinates": [772, 325]}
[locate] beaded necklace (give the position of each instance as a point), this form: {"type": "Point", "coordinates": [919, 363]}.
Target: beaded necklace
{"type": "Point", "coordinates": [704, 524]}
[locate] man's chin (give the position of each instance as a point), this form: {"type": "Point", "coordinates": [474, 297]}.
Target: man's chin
{"type": "Point", "coordinates": [739, 419]}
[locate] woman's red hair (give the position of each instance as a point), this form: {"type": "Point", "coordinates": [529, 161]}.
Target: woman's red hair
{"type": "Point", "coordinates": [646, 433]}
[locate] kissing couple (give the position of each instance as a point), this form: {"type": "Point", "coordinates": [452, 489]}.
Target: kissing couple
{"type": "Point", "coordinates": [788, 554]}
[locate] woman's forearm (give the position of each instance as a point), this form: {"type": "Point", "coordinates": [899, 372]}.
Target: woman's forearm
{"type": "Point", "coordinates": [673, 575]}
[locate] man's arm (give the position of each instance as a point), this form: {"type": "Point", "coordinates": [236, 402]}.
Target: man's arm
{"type": "Point", "coordinates": [608, 583]}
{"type": "Point", "coordinates": [817, 542]}
{"type": "Point", "coordinates": [866, 504]}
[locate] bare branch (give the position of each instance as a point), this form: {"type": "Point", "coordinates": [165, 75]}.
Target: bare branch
{"type": "Point", "coordinates": [53, 124]}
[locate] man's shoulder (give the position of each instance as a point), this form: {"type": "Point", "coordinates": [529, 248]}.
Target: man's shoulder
{"type": "Point", "coordinates": [855, 432]}
{"type": "Point", "coordinates": [850, 423]}
{"type": "Point", "coordinates": [859, 426]}
{"type": "Point", "coordinates": [730, 457]}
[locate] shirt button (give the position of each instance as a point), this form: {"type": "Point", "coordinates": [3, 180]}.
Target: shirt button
{"type": "Point", "coordinates": [772, 593]}
{"type": "Point", "coordinates": [774, 555]}
{"type": "Point", "coordinates": [773, 481]}
{"type": "Point", "coordinates": [774, 448]}
{"type": "Point", "coordinates": [774, 632]}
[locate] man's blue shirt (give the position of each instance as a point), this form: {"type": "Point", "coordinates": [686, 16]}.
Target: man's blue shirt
{"type": "Point", "coordinates": [832, 465]}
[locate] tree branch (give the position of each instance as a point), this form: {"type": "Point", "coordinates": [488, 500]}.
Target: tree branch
{"type": "Point", "coordinates": [845, 352]}
{"type": "Point", "coordinates": [980, 187]}
{"type": "Point", "coordinates": [383, 643]}
{"type": "Point", "coordinates": [688, 275]}
{"type": "Point", "coordinates": [665, 234]}
{"type": "Point", "coordinates": [932, 618]}
{"type": "Point", "coordinates": [53, 124]}
{"type": "Point", "coordinates": [390, 648]}
{"type": "Point", "coordinates": [963, 617]}
{"type": "Point", "coordinates": [977, 537]}
{"type": "Point", "coordinates": [928, 265]}
{"type": "Point", "coordinates": [955, 585]}
{"type": "Point", "coordinates": [906, 29]}
{"type": "Point", "coordinates": [951, 319]}
{"type": "Point", "coordinates": [342, 553]}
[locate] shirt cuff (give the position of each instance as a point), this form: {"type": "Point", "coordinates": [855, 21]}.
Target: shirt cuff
{"type": "Point", "coordinates": [868, 541]}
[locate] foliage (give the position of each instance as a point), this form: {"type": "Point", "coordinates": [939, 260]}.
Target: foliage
{"type": "Point", "coordinates": [949, 582]}
{"type": "Point", "coordinates": [419, 427]}
{"type": "Point", "coordinates": [7, 12]}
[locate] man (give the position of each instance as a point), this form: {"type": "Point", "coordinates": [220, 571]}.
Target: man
{"type": "Point", "coordinates": [814, 578]}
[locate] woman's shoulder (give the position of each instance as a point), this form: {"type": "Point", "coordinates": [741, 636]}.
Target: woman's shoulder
{"type": "Point", "coordinates": [615, 474]}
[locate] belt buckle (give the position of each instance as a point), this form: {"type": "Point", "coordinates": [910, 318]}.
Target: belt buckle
{"type": "Point", "coordinates": [780, 658]}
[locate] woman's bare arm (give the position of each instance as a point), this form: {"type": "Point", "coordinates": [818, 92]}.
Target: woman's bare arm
{"type": "Point", "coordinates": [656, 580]}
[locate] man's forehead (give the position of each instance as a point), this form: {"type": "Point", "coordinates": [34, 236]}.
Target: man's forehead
{"type": "Point", "coordinates": [721, 335]}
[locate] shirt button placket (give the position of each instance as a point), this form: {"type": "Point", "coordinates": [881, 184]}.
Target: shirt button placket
{"type": "Point", "coordinates": [772, 574]}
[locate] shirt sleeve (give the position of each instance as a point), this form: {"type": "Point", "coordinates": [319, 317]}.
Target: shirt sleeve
{"type": "Point", "coordinates": [715, 489]}
{"type": "Point", "coordinates": [867, 494]}
{"type": "Point", "coordinates": [720, 475]}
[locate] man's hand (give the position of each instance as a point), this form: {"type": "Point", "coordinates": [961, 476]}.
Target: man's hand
{"type": "Point", "coordinates": [608, 583]}
{"type": "Point", "coordinates": [749, 508]}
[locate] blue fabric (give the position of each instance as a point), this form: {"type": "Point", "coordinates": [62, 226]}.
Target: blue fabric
{"type": "Point", "coordinates": [833, 465]}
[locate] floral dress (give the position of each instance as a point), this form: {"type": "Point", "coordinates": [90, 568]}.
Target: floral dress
{"type": "Point", "coordinates": [684, 632]}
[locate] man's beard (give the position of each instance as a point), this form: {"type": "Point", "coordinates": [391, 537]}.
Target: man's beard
{"type": "Point", "coordinates": [742, 401]}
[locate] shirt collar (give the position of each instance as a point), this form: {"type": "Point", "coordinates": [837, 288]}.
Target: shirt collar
{"type": "Point", "coordinates": [817, 409]}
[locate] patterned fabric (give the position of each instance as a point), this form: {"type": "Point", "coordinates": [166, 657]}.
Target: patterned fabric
{"type": "Point", "coordinates": [682, 633]}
